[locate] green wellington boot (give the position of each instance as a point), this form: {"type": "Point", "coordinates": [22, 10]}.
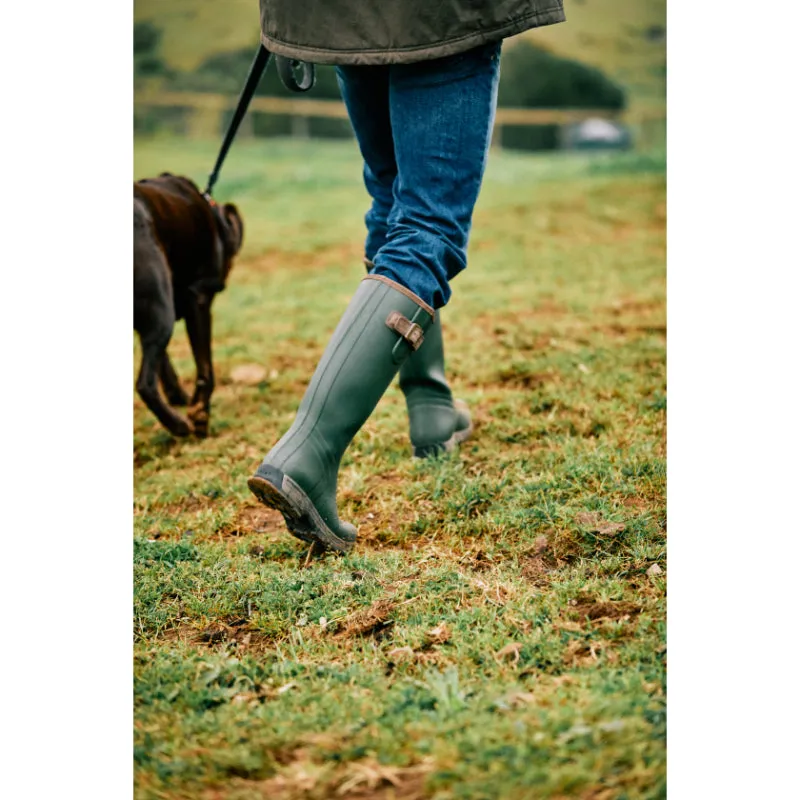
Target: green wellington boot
{"type": "Point", "coordinates": [437, 423]}
{"type": "Point", "coordinates": [381, 327]}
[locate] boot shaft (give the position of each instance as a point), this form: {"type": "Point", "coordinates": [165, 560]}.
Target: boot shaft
{"type": "Point", "coordinates": [435, 422]}
{"type": "Point", "coordinates": [377, 333]}
{"type": "Point", "coordinates": [422, 374]}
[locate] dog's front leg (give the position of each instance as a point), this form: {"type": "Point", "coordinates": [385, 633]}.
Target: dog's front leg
{"type": "Point", "coordinates": [198, 326]}
{"type": "Point", "coordinates": [171, 383]}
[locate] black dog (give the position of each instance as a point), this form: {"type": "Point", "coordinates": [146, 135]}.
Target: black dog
{"type": "Point", "coordinates": [183, 248]}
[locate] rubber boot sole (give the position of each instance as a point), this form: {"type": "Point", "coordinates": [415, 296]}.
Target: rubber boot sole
{"type": "Point", "coordinates": [277, 490]}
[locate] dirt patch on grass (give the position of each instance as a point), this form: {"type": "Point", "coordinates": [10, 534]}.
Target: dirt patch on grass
{"type": "Point", "coordinates": [476, 560]}
{"type": "Point", "coordinates": [380, 503]}
{"type": "Point", "coordinates": [613, 610]}
{"type": "Point", "coordinates": [658, 329]}
{"type": "Point", "coordinates": [236, 635]}
{"type": "Point", "coordinates": [537, 569]}
{"type": "Point", "coordinates": [370, 780]}
{"type": "Point", "coordinates": [322, 258]}
{"type": "Point", "coordinates": [297, 356]}
{"type": "Point", "coordinates": [591, 794]}
{"type": "Point", "coordinates": [581, 653]}
{"type": "Point", "coordinates": [636, 503]}
{"type": "Point", "coordinates": [594, 523]}
{"type": "Point", "coordinates": [257, 519]}
{"type": "Point", "coordinates": [384, 483]}
{"type": "Point", "coordinates": [539, 562]}
{"type": "Point", "coordinates": [518, 378]}
{"type": "Point", "coordinates": [633, 305]}
{"type": "Point", "coordinates": [360, 780]}
{"type": "Point", "coordinates": [370, 621]}
{"type": "Point", "coordinates": [383, 516]}
{"type": "Point", "coordinates": [188, 504]}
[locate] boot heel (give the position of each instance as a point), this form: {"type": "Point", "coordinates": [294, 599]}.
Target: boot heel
{"type": "Point", "coordinates": [275, 489]}
{"type": "Point", "coordinates": [267, 486]}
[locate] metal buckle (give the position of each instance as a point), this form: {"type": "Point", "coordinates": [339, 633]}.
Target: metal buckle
{"type": "Point", "coordinates": [410, 331]}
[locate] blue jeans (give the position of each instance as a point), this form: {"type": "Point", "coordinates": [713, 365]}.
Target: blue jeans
{"type": "Point", "coordinates": [424, 131]}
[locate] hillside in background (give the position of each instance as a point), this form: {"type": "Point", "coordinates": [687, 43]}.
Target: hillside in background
{"type": "Point", "coordinates": [626, 39]}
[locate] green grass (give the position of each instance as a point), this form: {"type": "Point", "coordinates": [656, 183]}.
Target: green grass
{"type": "Point", "coordinates": [499, 631]}
{"type": "Point", "coordinates": [609, 34]}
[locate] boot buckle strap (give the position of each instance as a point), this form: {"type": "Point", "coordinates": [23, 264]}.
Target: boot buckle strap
{"type": "Point", "coordinates": [409, 330]}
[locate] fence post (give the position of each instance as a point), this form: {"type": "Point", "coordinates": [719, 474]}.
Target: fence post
{"type": "Point", "coordinates": [300, 127]}
{"type": "Point", "coordinates": [204, 123]}
{"type": "Point", "coordinates": [247, 129]}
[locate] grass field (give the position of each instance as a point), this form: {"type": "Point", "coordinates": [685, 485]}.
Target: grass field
{"type": "Point", "coordinates": [499, 629]}
{"type": "Point", "coordinates": [625, 38]}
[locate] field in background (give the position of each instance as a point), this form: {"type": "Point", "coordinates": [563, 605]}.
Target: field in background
{"type": "Point", "coordinates": [499, 630]}
{"type": "Point", "coordinates": [624, 38]}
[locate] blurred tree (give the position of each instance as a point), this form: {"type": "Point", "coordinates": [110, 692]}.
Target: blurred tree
{"type": "Point", "coordinates": [531, 77]}
{"type": "Point", "coordinates": [535, 78]}
{"type": "Point", "coordinates": [147, 63]}
{"type": "Point", "coordinates": [149, 69]}
{"type": "Point", "coordinates": [146, 38]}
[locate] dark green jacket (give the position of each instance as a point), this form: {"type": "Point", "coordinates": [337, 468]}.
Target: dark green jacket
{"type": "Point", "coordinates": [394, 31]}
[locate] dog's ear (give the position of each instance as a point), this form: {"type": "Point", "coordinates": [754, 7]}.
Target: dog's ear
{"type": "Point", "coordinates": [181, 180]}
{"type": "Point", "coordinates": [235, 227]}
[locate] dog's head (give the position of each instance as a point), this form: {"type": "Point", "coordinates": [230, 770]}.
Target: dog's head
{"type": "Point", "coordinates": [229, 221]}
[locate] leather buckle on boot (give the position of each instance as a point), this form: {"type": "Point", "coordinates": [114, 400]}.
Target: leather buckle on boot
{"type": "Point", "coordinates": [410, 331]}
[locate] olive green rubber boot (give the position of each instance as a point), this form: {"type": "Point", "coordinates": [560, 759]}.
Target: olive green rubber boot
{"type": "Point", "coordinates": [437, 423]}
{"type": "Point", "coordinates": [381, 327]}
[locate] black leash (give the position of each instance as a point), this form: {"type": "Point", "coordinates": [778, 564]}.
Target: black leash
{"type": "Point", "coordinates": [287, 71]}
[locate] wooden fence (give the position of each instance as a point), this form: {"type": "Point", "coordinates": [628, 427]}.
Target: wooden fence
{"type": "Point", "coordinates": [206, 113]}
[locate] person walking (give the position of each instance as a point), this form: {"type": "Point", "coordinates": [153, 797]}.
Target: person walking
{"type": "Point", "coordinates": [419, 80]}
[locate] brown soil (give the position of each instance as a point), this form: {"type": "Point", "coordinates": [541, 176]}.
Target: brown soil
{"type": "Point", "coordinates": [257, 519]}
{"type": "Point", "coordinates": [606, 610]}
{"type": "Point", "coordinates": [322, 258]}
{"type": "Point", "coordinates": [368, 621]}
{"type": "Point", "coordinates": [235, 635]}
